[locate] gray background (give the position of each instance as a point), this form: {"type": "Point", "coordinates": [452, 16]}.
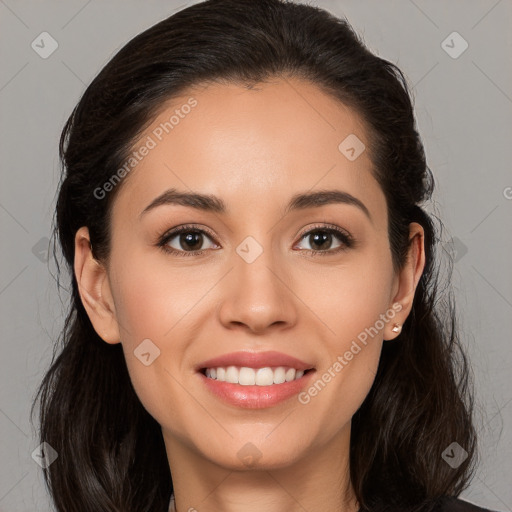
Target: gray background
{"type": "Point", "coordinates": [463, 106]}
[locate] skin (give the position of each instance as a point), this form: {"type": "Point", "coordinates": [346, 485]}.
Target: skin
{"type": "Point", "coordinates": [254, 149]}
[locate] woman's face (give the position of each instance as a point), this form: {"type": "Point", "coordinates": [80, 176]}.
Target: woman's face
{"type": "Point", "coordinates": [263, 273]}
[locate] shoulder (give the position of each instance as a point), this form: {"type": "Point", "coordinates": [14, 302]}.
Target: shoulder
{"type": "Point", "coordinates": [451, 504]}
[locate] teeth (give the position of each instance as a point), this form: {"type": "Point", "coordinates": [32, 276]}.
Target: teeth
{"type": "Point", "coordinates": [280, 375]}
{"type": "Point", "coordinates": [231, 374]}
{"type": "Point", "coordinates": [250, 376]}
{"type": "Point", "coordinates": [246, 376]}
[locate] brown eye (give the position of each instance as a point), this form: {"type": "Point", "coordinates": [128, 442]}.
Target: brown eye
{"type": "Point", "coordinates": [185, 241]}
{"type": "Point", "coordinates": [321, 239]}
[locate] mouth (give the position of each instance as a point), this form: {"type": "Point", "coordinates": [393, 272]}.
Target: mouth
{"type": "Point", "coordinates": [255, 380]}
{"type": "Point", "coordinates": [247, 376]}
{"type": "Point", "coordinates": [255, 388]}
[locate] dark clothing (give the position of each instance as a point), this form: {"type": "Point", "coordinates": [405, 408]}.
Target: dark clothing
{"type": "Point", "coordinates": [441, 504]}
{"type": "Point", "coordinates": [459, 505]}
{"type": "Point", "coordinates": [446, 504]}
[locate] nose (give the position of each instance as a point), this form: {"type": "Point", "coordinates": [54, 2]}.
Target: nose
{"type": "Point", "coordinates": [258, 296]}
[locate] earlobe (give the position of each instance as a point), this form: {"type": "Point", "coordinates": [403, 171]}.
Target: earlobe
{"type": "Point", "coordinates": [94, 289]}
{"type": "Point", "coordinates": [408, 278]}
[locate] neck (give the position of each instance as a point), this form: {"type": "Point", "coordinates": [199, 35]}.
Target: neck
{"type": "Point", "coordinates": [319, 481]}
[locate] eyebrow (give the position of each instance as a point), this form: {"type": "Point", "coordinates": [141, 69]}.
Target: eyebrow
{"type": "Point", "coordinates": [211, 203]}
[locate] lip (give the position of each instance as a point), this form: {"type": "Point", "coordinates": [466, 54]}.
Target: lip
{"type": "Point", "coordinates": [256, 397]}
{"type": "Point", "coordinates": [254, 360]}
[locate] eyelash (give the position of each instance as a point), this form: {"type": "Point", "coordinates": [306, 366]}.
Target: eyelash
{"type": "Point", "coordinates": [343, 236]}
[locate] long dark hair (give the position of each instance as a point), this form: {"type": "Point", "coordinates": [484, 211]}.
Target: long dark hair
{"type": "Point", "coordinates": [111, 451]}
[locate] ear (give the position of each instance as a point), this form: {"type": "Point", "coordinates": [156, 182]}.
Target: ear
{"type": "Point", "coordinates": [408, 278]}
{"type": "Point", "coordinates": [94, 289]}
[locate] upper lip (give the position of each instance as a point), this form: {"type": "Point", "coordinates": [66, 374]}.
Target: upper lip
{"type": "Point", "coordinates": [254, 360]}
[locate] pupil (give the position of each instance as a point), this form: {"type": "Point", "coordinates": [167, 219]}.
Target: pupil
{"type": "Point", "coordinates": [191, 239]}
{"type": "Point", "coordinates": [320, 239]}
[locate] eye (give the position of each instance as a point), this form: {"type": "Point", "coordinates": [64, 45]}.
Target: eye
{"type": "Point", "coordinates": [184, 241]}
{"type": "Point", "coordinates": [188, 240]}
{"type": "Point", "coordinates": [320, 240]}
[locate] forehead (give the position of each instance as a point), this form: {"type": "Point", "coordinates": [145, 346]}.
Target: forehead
{"type": "Point", "coordinates": [252, 146]}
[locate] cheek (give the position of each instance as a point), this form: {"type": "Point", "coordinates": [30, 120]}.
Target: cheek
{"type": "Point", "coordinates": [353, 302]}
{"type": "Point", "coordinates": [156, 309]}
{"type": "Point", "coordinates": [350, 299]}
{"type": "Point", "coordinates": [152, 352]}
{"type": "Point", "coordinates": [151, 300]}
{"type": "Point", "coordinates": [349, 365]}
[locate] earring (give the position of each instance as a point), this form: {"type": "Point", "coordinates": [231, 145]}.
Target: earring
{"type": "Point", "coordinates": [396, 328]}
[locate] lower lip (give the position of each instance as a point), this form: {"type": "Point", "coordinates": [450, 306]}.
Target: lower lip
{"type": "Point", "coordinates": [256, 397]}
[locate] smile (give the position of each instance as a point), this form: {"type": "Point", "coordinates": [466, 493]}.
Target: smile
{"type": "Point", "coordinates": [245, 376]}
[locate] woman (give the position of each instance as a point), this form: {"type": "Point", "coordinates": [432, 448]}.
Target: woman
{"type": "Point", "coordinates": [255, 321]}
